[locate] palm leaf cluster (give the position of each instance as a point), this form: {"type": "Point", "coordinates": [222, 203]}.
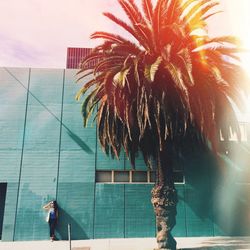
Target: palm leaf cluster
{"type": "Point", "coordinates": [174, 81]}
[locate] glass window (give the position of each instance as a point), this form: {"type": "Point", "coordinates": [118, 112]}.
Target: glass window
{"type": "Point", "coordinates": [139, 176]}
{"type": "Point", "coordinates": [132, 176]}
{"type": "Point", "coordinates": [152, 176]}
{"type": "Point", "coordinates": [178, 177]}
{"type": "Point", "coordinates": [103, 176]}
{"type": "Point", "coordinates": [121, 176]}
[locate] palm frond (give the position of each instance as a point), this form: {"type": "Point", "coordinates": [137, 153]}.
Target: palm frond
{"type": "Point", "coordinates": [170, 84]}
{"type": "Point", "coordinates": [121, 77]}
{"type": "Point", "coordinates": [173, 10]}
{"type": "Point", "coordinates": [199, 25]}
{"type": "Point", "coordinates": [199, 15]}
{"type": "Point", "coordinates": [157, 122]}
{"type": "Point", "coordinates": [137, 20]}
{"type": "Point", "coordinates": [187, 65]}
{"type": "Point", "coordinates": [109, 36]}
{"type": "Point", "coordinates": [121, 23]}
{"type": "Point", "coordinates": [84, 74]}
{"type": "Point", "coordinates": [212, 14]}
{"type": "Point", "coordinates": [186, 4]}
{"type": "Point", "coordinates": [138, 17]}
{"type": "Point", "coordinates": [85, 87]}
{"type": "Point", "coordinates": [195, 9]}
{"type": "Point", "coordinates": [151, 69]}
{"type": "Point", "coordinates": [126, 48]}
{"type": "Point", "coordinates": [226, 39]}
{"type": "Point", "coordinates": [127, 117]}
{"type": "Point", "coordinates": [92, 57]}
{"type": "Point", "coordinates": [88, 105]}
{"type": "Point", "coordinates": [148, 9]}
{"type": "Point", "coordinates": [108, 63]}
{"type": "Point", "coordinates": [176, 75]}
{"type": "Point", "coordinates": [136, 71]}
{"type": "Point", "coordinates": [225, 50]}
{"type": "Point", "coordinates": [157, 17]}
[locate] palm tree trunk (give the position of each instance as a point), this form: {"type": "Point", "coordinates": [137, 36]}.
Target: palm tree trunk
{"type": "Point", "coordinates": [164, 200]}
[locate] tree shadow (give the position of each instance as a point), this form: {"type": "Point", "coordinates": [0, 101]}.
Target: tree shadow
{"type": "Point", "coordinates": [222, 243]}
{"type": "Point", "coordinates": [79, 141]}
{"type": "Point", "coordinates": [77, 231]}
{"type": "Point", "coordinates": [212, 197]}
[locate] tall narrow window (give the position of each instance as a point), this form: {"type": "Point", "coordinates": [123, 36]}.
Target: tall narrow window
{"type": "Point", "coordinates": [3, 188]}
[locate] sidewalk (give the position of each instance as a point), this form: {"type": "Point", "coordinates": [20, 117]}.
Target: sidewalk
{"type": "Point", "coordinates": [204, 243]}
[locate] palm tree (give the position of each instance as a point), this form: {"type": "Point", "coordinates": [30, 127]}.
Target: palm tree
{"type": "Point", "coordinates": [170, 82]}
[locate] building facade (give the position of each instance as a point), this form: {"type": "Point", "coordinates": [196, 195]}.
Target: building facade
{"type": "Point", "coordinates": [75, 56]}
{"type": "Point", "coordinates": [45, 154]}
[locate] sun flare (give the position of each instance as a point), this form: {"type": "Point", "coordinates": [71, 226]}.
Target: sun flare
{"type": "Point", "coordinates": [239, 22]}
{"type": "Point", "coordinates": [246, 56]}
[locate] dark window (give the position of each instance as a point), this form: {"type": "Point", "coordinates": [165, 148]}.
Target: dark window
{"type": "Point", "coordinates": [133, 176]}
{"type": "Point", "coordinates": [139, 176]}
{"type": "Point", "coordinates": [3, 188]}
{"type": "Point", "coordinates": [178, 177]}
{"type": "Point", "coordinates": [121, 176]}
{"type": "Point", "coordinates": [103, 176]}
{"type": "Point", "coordinates": [152, 176]}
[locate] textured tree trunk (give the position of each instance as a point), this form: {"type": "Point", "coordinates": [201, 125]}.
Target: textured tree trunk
{"type": "Point", "coordinates": [164, 200]}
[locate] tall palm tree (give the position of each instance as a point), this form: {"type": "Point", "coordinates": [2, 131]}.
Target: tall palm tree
{"type": "Point", "coordinates": [169, 82]}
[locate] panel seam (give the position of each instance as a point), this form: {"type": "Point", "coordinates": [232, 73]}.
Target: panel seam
{"type": "Point", "coordinates": [94, 203]}
{"type": "Point", "coordinates": [21, 160]}
{"type": "Point", "coordinates": [60, 136]}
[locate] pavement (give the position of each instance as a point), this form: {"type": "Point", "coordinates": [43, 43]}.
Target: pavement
{"type": "Point", "coordinates": [188, 243]}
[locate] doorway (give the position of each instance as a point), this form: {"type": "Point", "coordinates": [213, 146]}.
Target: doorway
{"type": "Point", "coordinates": [3, 188]}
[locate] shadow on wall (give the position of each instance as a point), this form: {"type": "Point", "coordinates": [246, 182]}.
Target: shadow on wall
{"type": "Point", "coordinates": [223, 243]}
{"type": "Point", "coordinates": [31, 217]}
{"type": "Point", "coordinates": [79, 141]}
{"type": "Point", "coordinates": [213, 197]}
{"type": "Point", "coordinates": [65, 219]}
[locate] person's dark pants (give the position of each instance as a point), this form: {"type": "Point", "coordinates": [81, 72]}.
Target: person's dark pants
{"type": "Point", "coordinates": [52, 225]}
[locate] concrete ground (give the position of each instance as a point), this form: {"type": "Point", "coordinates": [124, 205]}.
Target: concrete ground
{"type": "Point", "coordinates": [205, 243]}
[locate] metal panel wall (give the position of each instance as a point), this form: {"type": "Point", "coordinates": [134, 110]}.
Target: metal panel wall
{"type": "Point", "coordinates": [198, 194]}
{"type": "Point", "coordinates": [13, 97]}
{"type": "Point", "coordinates": [109, 211]}
{"type": "Point", "coordinates": [76, 181]}
{"type": "Point", "coordinates": [46, 154]}
{"type": "Point", "coordinates": [180, 229]}
{"type": "Point", "coordinates": [38, 175]}
{"type": "Point", "coordinates": [139, 215]}
{"type": "Point", "coordinates": [139, 163]}
{"type": "Point", "coordinates": [104, 162]}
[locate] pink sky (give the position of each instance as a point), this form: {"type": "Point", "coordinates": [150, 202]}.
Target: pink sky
{"type": "Point", "coordinates": [35, 33]}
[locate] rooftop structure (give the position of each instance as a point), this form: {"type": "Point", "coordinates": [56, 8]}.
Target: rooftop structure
{"type": "Point", "coordinates": [75, 56]}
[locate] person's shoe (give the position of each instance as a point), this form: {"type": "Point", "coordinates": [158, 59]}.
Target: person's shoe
{"type": "Point", "coordinates": [51, 239]}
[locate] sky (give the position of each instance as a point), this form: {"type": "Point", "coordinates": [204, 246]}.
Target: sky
{"type": "Point", "coordinates": [35, 33]}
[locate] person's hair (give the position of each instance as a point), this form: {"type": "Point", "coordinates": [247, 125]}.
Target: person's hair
{"type": "Point", "coordinates": [55, 204]}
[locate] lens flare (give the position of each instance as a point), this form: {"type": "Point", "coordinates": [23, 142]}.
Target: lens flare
{"type": "Point", "coordinates": [233, 198]}
{"type": "Point", "coordinates": [246, 56]}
